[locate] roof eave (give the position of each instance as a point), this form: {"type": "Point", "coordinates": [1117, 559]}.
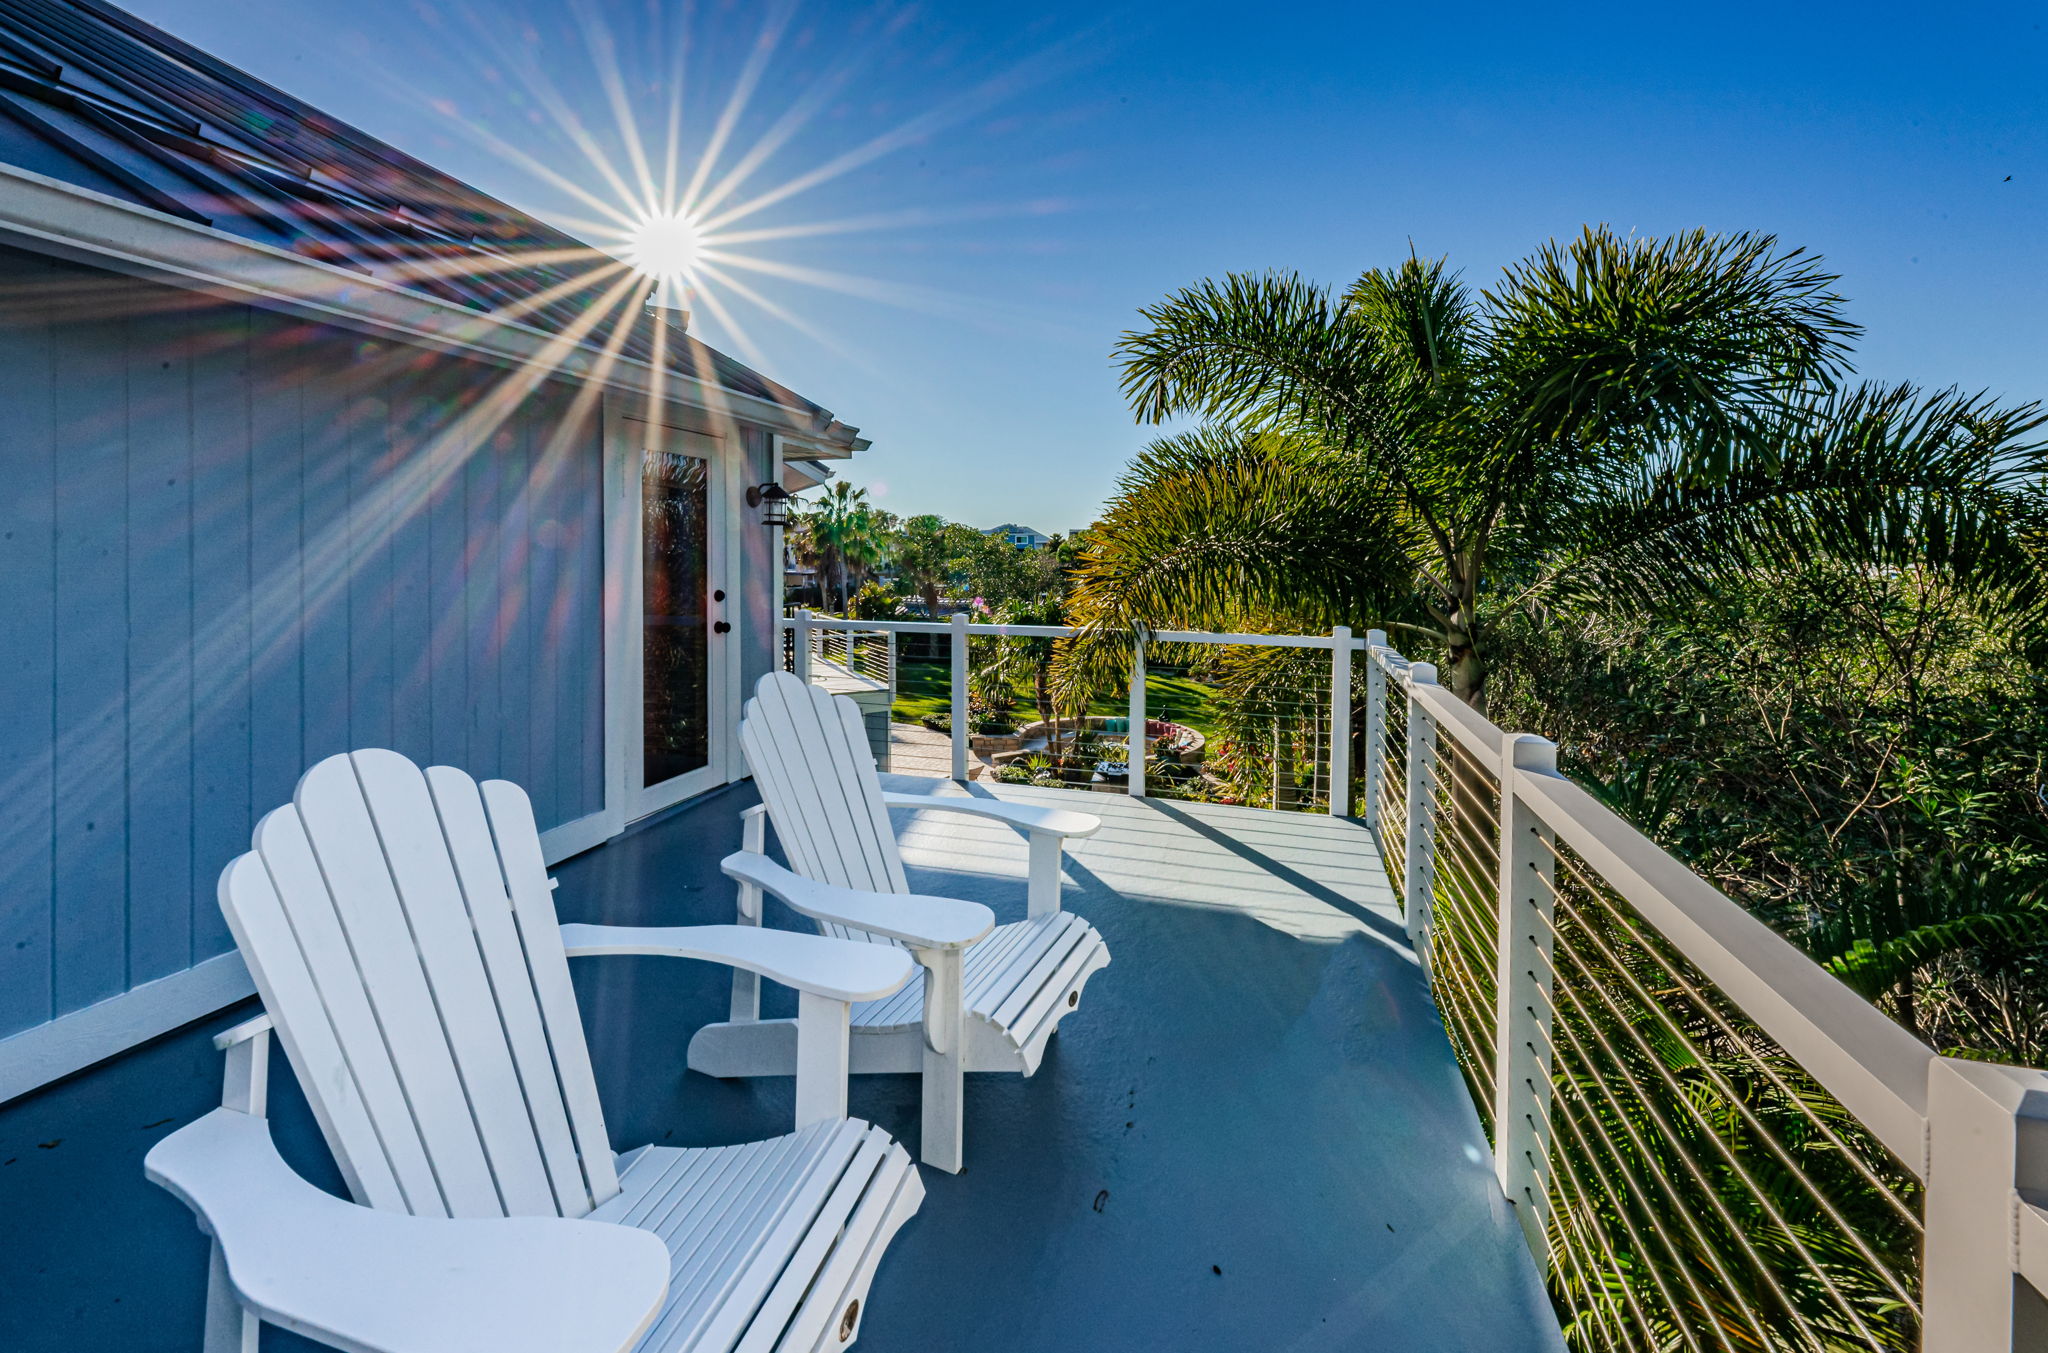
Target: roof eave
{"type": "Point", "coordinates": [51, 216]}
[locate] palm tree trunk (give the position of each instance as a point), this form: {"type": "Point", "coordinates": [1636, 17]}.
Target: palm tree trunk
{"type": "Point", "coordinates": [1461, 643]}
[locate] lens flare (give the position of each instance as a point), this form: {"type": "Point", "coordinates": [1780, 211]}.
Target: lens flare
{"type": "Point", "coordinates": [666, 246]}
{"type": "Point", "coordinates": [686, 202]}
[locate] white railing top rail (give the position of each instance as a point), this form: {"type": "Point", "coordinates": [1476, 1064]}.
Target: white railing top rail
{"type": "Point", "coordinates": [1872, 1066]}
{"type": "Point", "coordinates": [1473, 730]}
{"type": "Point", "coordinates": [820, 622]}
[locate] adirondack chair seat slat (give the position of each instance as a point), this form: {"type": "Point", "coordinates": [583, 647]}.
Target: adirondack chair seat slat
{"type": "Point", "coordinates": [401, 930]}
{"type": "Point", "coordinates": [736, 1220]}
{"type": "Point", "coordinates": [1001, 975]}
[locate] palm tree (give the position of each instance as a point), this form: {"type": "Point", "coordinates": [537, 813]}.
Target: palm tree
{"type": "Point", "coordinates": [842, 534]}
{"type": "Point", "coordinates": [925, 548]}
{"type": "Point", "coordinates": [1618, 422]}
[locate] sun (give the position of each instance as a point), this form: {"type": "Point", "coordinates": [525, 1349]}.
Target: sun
{"type": "Point", "coordinates": [665, 246]}
{"type": "Point", "coordinates": [677, 215]}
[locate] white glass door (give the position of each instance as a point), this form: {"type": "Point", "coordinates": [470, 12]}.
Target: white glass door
{"type": "Point", "coordinates": [677, 742]}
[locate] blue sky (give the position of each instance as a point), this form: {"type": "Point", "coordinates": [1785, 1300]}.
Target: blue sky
{"type": "Point", "coordinates": [1029, 176]}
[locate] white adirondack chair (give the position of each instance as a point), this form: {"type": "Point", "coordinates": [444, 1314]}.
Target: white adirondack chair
{"type": "Point", "coordinates": [400, 929]}
{"type": "Point", "coordinates": [992, 995]}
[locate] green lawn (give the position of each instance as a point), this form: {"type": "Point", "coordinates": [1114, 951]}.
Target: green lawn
{"type": "Point", "coordinates": [925, 688]}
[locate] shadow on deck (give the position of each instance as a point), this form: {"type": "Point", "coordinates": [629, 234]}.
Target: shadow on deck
{"type": "Point", "coordinates": [1258, 1084]}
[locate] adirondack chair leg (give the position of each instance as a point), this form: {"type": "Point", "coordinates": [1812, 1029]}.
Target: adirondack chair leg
{"type": "Point", "coordinates": [945, 1060]}
{"type": "Point", "coordinates": [746, 986]}
{"type": "Point", "coordinates": [229, 1328]}
{"type": "Point", "coordinates": [822, 1058]}
{"type": "Point", "coordinates": [1043, 898]}
{"type": "Point", "coordinates": [245, 1087]}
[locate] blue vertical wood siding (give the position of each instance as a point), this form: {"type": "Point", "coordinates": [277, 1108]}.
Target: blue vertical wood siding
{"type": "Point", "coordinates": [28, 668]}
{"type": "Point", "coordinates": [233, 542]}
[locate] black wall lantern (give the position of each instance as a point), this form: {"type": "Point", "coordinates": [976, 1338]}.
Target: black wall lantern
{"type": "Point", "coordinates": [773, 500]}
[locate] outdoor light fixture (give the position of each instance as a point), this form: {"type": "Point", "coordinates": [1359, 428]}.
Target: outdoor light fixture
{"type": "Point", "coordinates": [773, 500]}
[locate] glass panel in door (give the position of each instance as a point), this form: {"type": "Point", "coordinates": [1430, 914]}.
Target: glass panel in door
{"type": "Point", "coordinates": [676, 624]}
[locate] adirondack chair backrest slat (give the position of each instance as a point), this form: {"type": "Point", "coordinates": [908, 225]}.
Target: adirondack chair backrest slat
{"type": "Point", "coordinates": [809, 754]}
{"type": "Point", "coordinates": [547, 968]}
{"type": "Point", "coordinates": [399, 928]}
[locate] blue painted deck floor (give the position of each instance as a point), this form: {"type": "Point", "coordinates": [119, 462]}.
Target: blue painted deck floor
{"type": "Point", "coordinates": [1251, 1136]}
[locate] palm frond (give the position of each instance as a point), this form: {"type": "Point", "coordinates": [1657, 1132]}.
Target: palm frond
{"type": "Point", "coordinates": [1215, 529]}
{"type": "Point", "coordinates": [1692, 336]}
{"type": "Point", "coordinates": [1420, 310]}
{"type": "Point", "coordinates": [1270, 351]}
{"type": "Point", "coordinates": [1875, 476]}
{"type": "Point", "coordinates": [1875, 966]}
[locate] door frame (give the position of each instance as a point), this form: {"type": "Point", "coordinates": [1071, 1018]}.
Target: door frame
{"type": "Point", "coordinates": [626, 800]}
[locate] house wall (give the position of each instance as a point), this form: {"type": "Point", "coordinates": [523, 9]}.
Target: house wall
{"type": "Point", "coordinates": [232, 543]}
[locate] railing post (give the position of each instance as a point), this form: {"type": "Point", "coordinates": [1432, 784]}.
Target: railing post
{"type": "Point", "coordinates": [1340, 720]}
{"type": "Point", "coordinates": [1522, 1016]}
{"type": "Point", "coordinates": [1987, 1157]}
{"type": "Point", "coordinates": [889, 677]}
{"type": "Point", "coordinates": [1134, 753]}
{"type": "Point", "coordinates": [962, 721]}
{"type": "Point", "coordinates": [803, 645]}
{"type": "Point", "coordinates": [1419, 850]}
{"type": "Point", "coordinates": [1375, 726]}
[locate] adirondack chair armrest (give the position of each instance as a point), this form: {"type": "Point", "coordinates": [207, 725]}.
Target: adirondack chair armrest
{"type": "Point", "coordinates": [919, 921]}
{"type": "Point", "coordinates": [356, 1278]}
{"type": "Point", "coordinates": [840, 970]}
{"type": "Point", "coordinates": [1061, 822]}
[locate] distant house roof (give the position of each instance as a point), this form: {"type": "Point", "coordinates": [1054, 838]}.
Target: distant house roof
{"type": "Point", "coordinates": [1012, 529]}
{"type": "Point", "coordinates": [94, 97]}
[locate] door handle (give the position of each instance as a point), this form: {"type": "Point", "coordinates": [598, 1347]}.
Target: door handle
{"type": "Point", "coordinates": [722, 626]}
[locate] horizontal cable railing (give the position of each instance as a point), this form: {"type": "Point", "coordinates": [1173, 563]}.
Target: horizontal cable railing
{"type": "Point", "coordinates": [1259, 719]}
{"type": "Point", "coordinates": [859, 655]}
{"type": "Point", "coordinates": [1710, 1142]}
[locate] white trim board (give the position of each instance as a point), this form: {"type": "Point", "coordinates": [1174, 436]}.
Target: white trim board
{"type": "Point", "coordinates": [46, 1052]}
{"type": "Point", "coordinates": [576, 836]}
{"type": "Point", "coordinates": [35, 1057]}
{"type": "Point", "coordinates": [54, 217]}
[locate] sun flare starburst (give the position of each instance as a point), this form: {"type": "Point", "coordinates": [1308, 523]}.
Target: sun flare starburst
{"type": "Point", "coordinates": [665, 246]}
{"type": "Point", "coordinates": [686, 201]}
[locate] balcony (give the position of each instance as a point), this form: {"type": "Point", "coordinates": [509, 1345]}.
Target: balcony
{"type": "Point", "coordinates": [1253, 1133]}
{"type": "Point", "coordinates": [1444, 1055]}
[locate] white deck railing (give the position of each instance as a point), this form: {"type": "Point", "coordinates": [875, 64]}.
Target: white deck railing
{"type": "Point", "coordinates": [1304, 726]}
{"type": "Point", "coordinates": [1681, 1101]}
{"type": "Point", "coordinates": [1710, 1141]}
{"type": "Point", "coordinates": [854, 652]}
